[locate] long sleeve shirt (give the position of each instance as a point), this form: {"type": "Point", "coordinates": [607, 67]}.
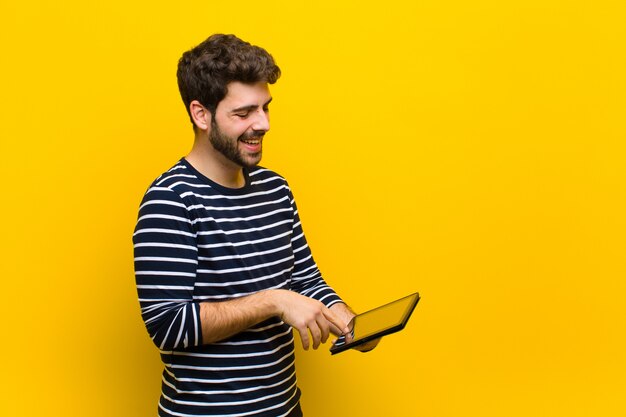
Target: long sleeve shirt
{"type": "Point", "coordinates": [196, 241]}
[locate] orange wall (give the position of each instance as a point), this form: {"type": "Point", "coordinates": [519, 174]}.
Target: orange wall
{"type": "Point", "coordinates": [472, 151]}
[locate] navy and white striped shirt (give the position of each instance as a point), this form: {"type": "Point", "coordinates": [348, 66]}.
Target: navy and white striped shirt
{"type": "Point", "coordinates": [197, 241]}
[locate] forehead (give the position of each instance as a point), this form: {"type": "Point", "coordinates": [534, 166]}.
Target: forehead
{"type": "Point", "coordinates": [240, 94]}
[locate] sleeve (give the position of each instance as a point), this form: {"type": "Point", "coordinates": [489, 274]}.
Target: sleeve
{"type": "Point", "coordinates": [306, 277]}
{"type": "Point", "coordinates": [166, 259]}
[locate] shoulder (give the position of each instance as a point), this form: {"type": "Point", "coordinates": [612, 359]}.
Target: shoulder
{"type": "Point", "coordinates": [174, 184]}
{"type": "Point", "coordinates": [260, 175]}
{"type": "Point", "coordinates": [182, 179]}
{"type": "Point", "coordinates": [178, 175]}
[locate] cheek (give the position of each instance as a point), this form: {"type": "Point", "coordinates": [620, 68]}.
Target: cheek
{"type": "Point", "coordinates": [236, 128]}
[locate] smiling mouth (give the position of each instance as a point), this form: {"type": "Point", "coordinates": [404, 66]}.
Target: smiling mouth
{"type": "Point", "coordinates": [251, 141]}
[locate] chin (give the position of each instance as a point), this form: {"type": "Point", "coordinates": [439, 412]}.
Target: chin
{"type": "Point", "coordinates": [253, 161]}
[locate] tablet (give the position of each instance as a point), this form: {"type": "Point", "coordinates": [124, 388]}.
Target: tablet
{"type": "Point", "coordinates": [381, 321]}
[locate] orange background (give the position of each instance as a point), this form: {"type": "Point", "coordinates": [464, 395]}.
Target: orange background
{"type": "Point", "coordinates": [472, 151]}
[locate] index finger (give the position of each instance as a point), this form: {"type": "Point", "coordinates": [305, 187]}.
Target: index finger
{"type": "Point", "coordinates": [343, 327]}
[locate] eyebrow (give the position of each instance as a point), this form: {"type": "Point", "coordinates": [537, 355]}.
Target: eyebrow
{"type": "Point", "coordinates": [250, 107]}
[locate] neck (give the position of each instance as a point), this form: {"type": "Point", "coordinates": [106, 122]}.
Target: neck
{"type": "Point", "coordinates": [215, 166]}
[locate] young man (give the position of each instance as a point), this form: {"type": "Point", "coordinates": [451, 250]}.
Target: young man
{"type": "Point", "coordinates": [223, 269]}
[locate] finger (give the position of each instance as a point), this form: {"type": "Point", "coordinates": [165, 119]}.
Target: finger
{"type": "Point", "coordinates": [323, 324]}
{"type": "Point", "coordinates": [304, 337]}
{"type": "Point", "coordinates": [368, 346]}
{"type": "Point", "coordinates": [343, 327]}
{"type": "Point", "coordinates": [334, 329]}
{"type": "Point", "coordinates": [316, 334]}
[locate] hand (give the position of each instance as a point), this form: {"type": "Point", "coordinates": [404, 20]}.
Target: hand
{"type": "Point", "coordinates": [307, 315]}
{"type": "Point", "coordinates": [366, 347]}
{"type": "Point", "coordinates": [344, 312]}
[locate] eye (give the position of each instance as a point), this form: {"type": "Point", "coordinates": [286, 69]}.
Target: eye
{"type": "Point", "coordinates": [242, 115]}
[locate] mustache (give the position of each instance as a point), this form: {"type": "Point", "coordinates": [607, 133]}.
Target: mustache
{"type": "Point", "coordinates": [252, 135]}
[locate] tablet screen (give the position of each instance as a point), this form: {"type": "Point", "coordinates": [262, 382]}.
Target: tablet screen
{"type": "Point", "coordinates": [378, 322]}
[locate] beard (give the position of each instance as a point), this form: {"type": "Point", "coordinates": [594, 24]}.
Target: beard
{"type": "Point", "coordinates": [229, 146]}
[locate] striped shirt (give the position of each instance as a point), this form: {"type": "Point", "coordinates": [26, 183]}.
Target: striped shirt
{"type": "Point", "coordinates": [197, 241]}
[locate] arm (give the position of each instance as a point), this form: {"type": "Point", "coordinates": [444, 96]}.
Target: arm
{"type": "Point", "coordinates": [306, 276]}
{"type": "Point", "coordinates": [307, 279]}
{"type": "Point", "coordinates": [165, 268]}
{"type": "Point", "coordinates": [166, 254]}
{"type": "Point", "coordinates": [223, 319]}
{"type": "Point", "coordinates": [345, 313]}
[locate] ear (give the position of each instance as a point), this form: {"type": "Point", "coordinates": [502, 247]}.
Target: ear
{"type": "Point", "coordinates": [200, 115]}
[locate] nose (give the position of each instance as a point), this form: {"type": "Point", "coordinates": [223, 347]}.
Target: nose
{"type": "Point", "coordinates": [261, 121]}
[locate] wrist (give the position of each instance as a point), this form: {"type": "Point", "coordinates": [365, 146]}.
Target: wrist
{"type": "Point", "coordinates": [272, 302]}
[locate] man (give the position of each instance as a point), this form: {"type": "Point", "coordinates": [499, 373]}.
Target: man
{"type": "Point", "coordinates": [223, 269]}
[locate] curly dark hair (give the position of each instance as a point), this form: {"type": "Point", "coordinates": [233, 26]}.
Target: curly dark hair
{"type": "Point", "coordinates": [205, 71]}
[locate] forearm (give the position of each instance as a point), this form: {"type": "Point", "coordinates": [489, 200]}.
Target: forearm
{"type": "Point", "coordinates": [220, 320]}
{"type": "Point", "coordinates": [344, 313]}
